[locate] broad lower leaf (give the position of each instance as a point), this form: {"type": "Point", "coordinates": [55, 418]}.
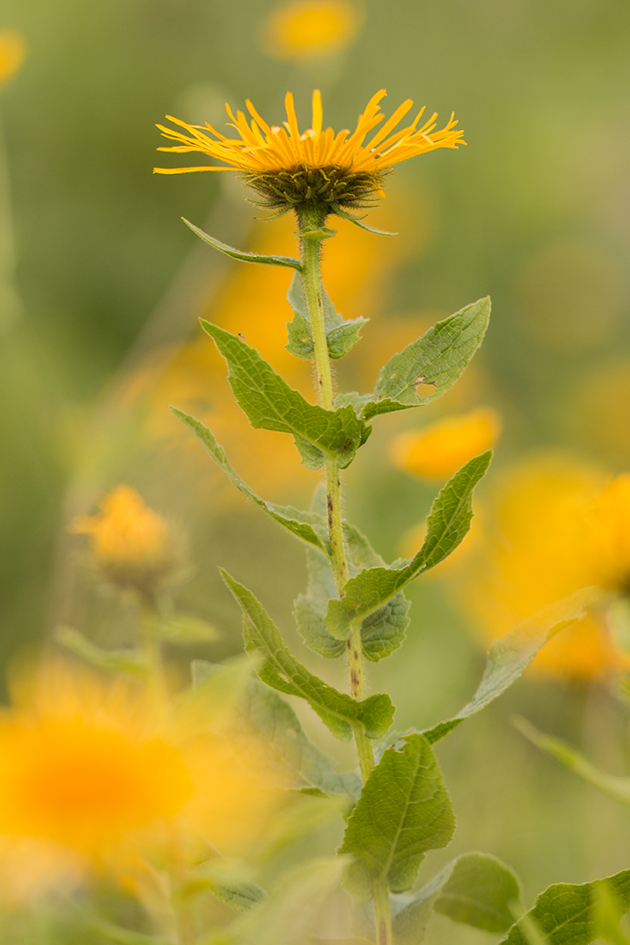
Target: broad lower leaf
{"type": "Point", "coordinates": [310, 608]}
{"type": "Point", "coordinates": [509, 657]}
{"type": "Point", "coordinates": [447, 524]}
{"type": "Point", "coordinates": [475, 889]}
{"type": "Point", "coordinates": [270, 404]}
{"type": "Point", "coordinates": [613, 785]}
{"type": "Point", "coordinates": [402, 812]}
{"type": "Point", "coordinates": [567, 915]}
{"type": "Point", "coordinates": [282, 671]}
{"type": "Point", "coordinates": [307, 526]}
{"type": "Point", "coordinates": [243, 256]}
{"type": "Point", "coordinates": [308, 767]}
{"type": "Point", "coordinates": [438, 358]}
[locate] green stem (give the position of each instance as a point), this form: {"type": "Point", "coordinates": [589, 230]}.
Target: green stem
{"type": "Point", "coordinates": [311, 276]}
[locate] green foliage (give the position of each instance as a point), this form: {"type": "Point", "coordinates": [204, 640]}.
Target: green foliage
{"type": "Point", "coordinates": [282, 671]}
{"type": "Point", "coordinates": [402, 812]}
{"type": "Point", "coordinates": [184, 630]}
{"type": "Point", "coordinates": [447, 524]}
{"type": "Point", "coordinates": [509, 657]}
{"type": "Point", "coordinates": [438, 358]}
{"type": "Point", "coordinates": [287, 916]}
{"type": "Point", "coordinates": [237, 893]}
{"type": "Point", "coordinates": [567, 915]}
{"type": "Point", "coordinates": [239, 254]}
{"type": "Point", "coordinates": [309, 768]}
{"type": "Point", "coordinates": [612, 785]}
{"type": "Point", "coordinates": [341, 335]}
{"type": "Point", "coordinates": [126, 661]}
{"type": "Point", "coordinates": [381, 632]}
{"type": "Point", "coordinates": [307, 526]}
{"type": "Point", "coordinates": [475, 889]}
{"type": "Point", "coordinates": [270, 404]}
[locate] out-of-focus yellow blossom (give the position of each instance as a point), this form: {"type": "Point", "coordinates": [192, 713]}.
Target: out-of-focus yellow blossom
{"type": "Point", "coordinates": [552, 527]}
{"type": "Point", "coordinates": [307, 29]}
{"type": "Point", "coordinates": [97, 774]}
{"type": "Point", "coordinates": [12, 54]}
{"type": "Point", "coordinates": [437, 451]}
{"type": "Point", "coordinates": [130, 542]}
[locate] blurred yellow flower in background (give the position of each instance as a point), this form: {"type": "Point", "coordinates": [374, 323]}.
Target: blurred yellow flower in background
{"type": "Point", "coordinates": [438, 450]}
{"type": "Point", "coordinates": [308, 29]}
{"type": "Point", "coordinates": [131, 543]}
{"type": "Point", "coordinates": [551, 527]}
{"type": "Point", "coordinates": [12, 54]}
{"type": "Point", "coordinates": [96, 773]}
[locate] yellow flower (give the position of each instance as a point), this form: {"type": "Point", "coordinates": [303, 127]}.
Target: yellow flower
{"type": "Point", "coordinates": [437, 451]}
{"type": "Point", "coordinates": [309, 28]}
{"type": "Point", "coordinates": [553, 527]}
{"type": "Point", "coordinates": [290, 169]}
{"type": "Point", "coordinates": [12, 54]}
{"type": "Point", "coordinates": [131, 543]}
{"type": "Point", "coordinates": [95, 774]}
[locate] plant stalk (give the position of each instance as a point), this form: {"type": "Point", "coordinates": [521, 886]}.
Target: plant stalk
{"type": "Point", "coordinates": [313, 290]}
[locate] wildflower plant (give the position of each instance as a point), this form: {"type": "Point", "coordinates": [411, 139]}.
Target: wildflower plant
{"type": "Point", "coordinates": [354, 607]}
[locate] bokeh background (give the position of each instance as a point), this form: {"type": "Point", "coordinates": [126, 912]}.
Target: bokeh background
{"type": "Point", "coordinates": [103, 286]}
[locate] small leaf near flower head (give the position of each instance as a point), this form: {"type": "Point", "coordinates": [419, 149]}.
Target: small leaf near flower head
{"type": "Point", "coordinates": [288, 261]}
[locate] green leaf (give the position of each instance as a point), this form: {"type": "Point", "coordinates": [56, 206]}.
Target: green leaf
{"type": "Point", "coordinates": [341, 335]}
{"type": "Point", "coordinates": [358, 221]}
{"type": "Point", "coordinates": [480, 891]}
{"type": "Point", "coordinates": [309, 768]}
{"type": "Point", "coordinates": [509, 657]}
{"type": "Point", "coordinates": [438, 358]}
{"type": "Point", "coordinates": [402, 812]}
{"type": "Point", "coordinates": [238, 254]}
{"type": "Point", "coordinates": [447, 524]}
{"type": "Point", "coordinates": [565, 914]}
{"type": "Point", "coordinates": [476, 889]}
{"type": "Point", "coordinates": [184, 630]}
{"type": "Point", "coordinates": [126, 661]}
{"type": "Point", "coordinates": [282, 671]}
{"type": "Point", "coordinates": [381, 633]}
{"type": "Point", "coordinates": [289, 913]}
{"type": "Point", "coordinates": [233, 891]}
{"type": "Point", "coordinates": [270, 404]}
{"type": "Point", "coordinates": [616, 787]}
{"type": "Point", "coordinates": [307, 526]}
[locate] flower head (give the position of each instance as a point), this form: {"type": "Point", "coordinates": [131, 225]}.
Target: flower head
{"type": "Point", "coordinates": [12, 53]}
{"type": "Point", "coordinates": [95, 773]}
{"type": "Point", "coordinates": [130, 542]}
{"type": "Point", "coordinates": [290, 169]}
{"type": "Point", "coordinates": [306, 29]}
{"type": "Point", "coordinates": [438, 450]}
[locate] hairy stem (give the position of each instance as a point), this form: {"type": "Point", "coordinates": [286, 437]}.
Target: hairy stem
{"type": "Point", "coordinates": [311, 275]}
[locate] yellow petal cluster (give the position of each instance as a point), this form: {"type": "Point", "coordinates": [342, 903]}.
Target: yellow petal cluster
{"type": "Point", "coordinates": [95, 774]}
{"type": "Point", "coordinates": [130, 542]}
{"type": "Point", "coordinates": [553, 526]}
{"type": "Point", "coordinates": [438, 450]}
{"type": "Point", "coordinates": [261, 148]}
{"type": "Point", "coordinates": [12, 54]}
{"type": "Point", "coordinates": [308, 29]}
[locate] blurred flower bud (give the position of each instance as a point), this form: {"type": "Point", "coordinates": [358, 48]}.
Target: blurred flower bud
{"type": "Point", "coordinates": [12, 54]}
{"type": "Point", "coordinates": [309, 28]}
{"type": "Point", "coordinates": [131, 543]}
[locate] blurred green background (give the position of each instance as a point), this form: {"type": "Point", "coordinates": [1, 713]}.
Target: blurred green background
{"type": "Point", "coordinates": [535, 212]}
